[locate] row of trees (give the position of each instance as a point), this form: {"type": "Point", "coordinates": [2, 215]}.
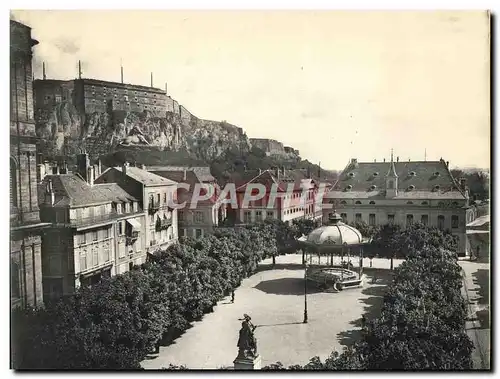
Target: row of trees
{"type": "Point", "coordinates": [422, 322]}
{"type": "Point", "coordinates": [117, 322]}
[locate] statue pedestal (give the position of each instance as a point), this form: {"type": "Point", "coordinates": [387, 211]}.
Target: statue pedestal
{"type": "Point", "coordinates": [247, 363]}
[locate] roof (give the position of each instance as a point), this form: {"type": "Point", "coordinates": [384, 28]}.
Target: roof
{"type": "Point", "coordinates": [202, 172]}
{"type": "Point", "coordinates": [429, 179]}
{"type": "Point", "coordinates": [336, 234]}
{"type": "Point", "coordinates": [145, 177]}
{"type": "Point", "coordinates": [72, 190]}
{"type": "Point", "coordinates": [483, 221]}
{"type": "Point", "coordinates": [269, 178]}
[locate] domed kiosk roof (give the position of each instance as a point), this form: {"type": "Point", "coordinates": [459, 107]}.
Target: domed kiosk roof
{"type": "Point", "coordinates": [336, 233]}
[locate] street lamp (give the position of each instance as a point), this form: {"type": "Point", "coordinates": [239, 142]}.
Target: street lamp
{"type": "Point", "coordinates": [305, 293]}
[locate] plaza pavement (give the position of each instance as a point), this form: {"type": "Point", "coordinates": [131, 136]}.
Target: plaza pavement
{"type": "Point", "coordinates": [274, 298]}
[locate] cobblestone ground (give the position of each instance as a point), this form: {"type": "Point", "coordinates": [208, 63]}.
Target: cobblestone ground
{"type": "Point", "coordinates": [274, 298]}
{"type": "Point", "coordinates": [476, 291]}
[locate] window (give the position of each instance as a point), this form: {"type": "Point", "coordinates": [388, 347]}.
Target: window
{"type": "Point", "coordinates": [95, 254]}
{"type": "Point", "coordinates": [358, 217]}
{"type": "Point", "coordinates": [371, 219]}
{"type": "Point", "coordinates": [84, 238]}
{"type": "Point", "coordinates": [180, 215]}
{"type": "Point", "coordinates": [247, 217]}
{"type": "Point", "coordinates": [344, 217]}
{"type": "Point", "coordinates": [372, 202]}
{"type": "Point", "coordinates": [13, 183]}
{"type": "Point", "coordinates": [106, 255]}
{"type": "Point", "coordinates": [454, 222]}
{"type": "Point", "coordinates": [270, 214]}
{"type": "Point", "coordinates": [199, 233]}
{"type": "Point", "coordinates": [94, 235]}
{"type": "Point", "coordinates": [83, 261]}
{"type": "Point", "coordinates": [165, 198]}
{"type": "Point", "coordinates": [151, 219]}
{"type": "Point", "coordinates": [440, 222]}
{"type": "Point", "coordinates": [390, 184]}
{"type": "Point", "coordinates": [158, 198]}
{"type": "Point", "coordinates": [131, 266]}
{"type": "Point", "coordinates": [258, 214]}
{"type": "Point", "coordinates": [198, 217]}
{"type": "Point", "coordinates": [343, 202]}
{"type": "Point", "coordinates": [409, 220]}
{"type": "Point", "coordinates": [357, 202]}
{"type": "Point", "coordinates": [106, 233]}
{"type": "Point", "coordinates": [409, 202]}
{"type": "Point", "coordinates": [424, 219]}
{"type": "Point", "coordinates": [15, 282]}
{"type": "Point", "coordinates": [183, 232]}
{"type": "Point", "coordinates": [390, 219]}
{"type": "Point", "coordinates": [425, 203]}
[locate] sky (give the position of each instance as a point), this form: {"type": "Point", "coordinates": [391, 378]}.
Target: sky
{"type": "Point", "coordinates": [335, 85]}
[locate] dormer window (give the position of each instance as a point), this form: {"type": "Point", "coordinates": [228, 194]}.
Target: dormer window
{"type": "Point", "coordinates": [411, 187]}
{"type": "Point", "coordinates": [375, 174]}
{"type": "Point", "coordinates": [425, 203]}
{"type": "Point", "coordinates": [437, 173]}
{"type": "Point", "coordinates": [409, 202]}
{"type": "Point", "coordinates": [412, 173]}
{"type": "Point", "coordinates": [357, 202]}
{"type": "Point", "coordinates": [373, 187]}
{"type": "Point", "coordinates": [441, 204]}
{"type": "Point", "coordinates": [436, 188]}
{"type": "Point", "coordinates": [372, 202]}
{"type": "Point", "coordinates": [349, 187]}
{"type": "Point", "coordinates": [351, 175]}
{"type": "Point", "coordinates": [343, 202]}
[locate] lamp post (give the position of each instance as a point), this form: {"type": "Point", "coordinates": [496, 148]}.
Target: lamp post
{"type": "Point", "coordinates": [305, 293]}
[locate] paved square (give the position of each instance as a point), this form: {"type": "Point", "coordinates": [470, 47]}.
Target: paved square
{"type": "Point", "coordinates": [275, 301]}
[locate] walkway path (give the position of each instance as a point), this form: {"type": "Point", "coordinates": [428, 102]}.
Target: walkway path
{"type": "Point", "coordinates": [275, 301]}
{"type": "Point", "coordinates": [476, 291]}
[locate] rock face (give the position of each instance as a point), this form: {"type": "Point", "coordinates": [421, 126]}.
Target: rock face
{"type": "Point", "coordinates": [65, 131]}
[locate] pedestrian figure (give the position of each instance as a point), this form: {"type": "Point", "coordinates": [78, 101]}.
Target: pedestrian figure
{"type": "Point", "coordinates": [232, 296]}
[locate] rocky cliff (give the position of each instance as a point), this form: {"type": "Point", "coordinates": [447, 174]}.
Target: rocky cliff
{"type": "Point", "coordinates": [65, 131]}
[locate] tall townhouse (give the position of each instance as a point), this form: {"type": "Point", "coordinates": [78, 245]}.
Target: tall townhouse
{"type": "Point", "coordinates": [195, 220]}
{"type": "Point", "coordinates": [96, 230]}
{"type": "Point", "coordinates": [157, 196]}
{"type": "Point", "coordinates": [289, 196]}
{"type": "Point", "coordinates": [402, 193]}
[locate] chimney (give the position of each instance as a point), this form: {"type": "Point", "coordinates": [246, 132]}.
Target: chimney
{"type": "Point", "coordinates": [121, 71]}
{"type": "Point", "coordinates": [90, 175]}
{"type": "Point", "coordinates": [185, 174]}
{"type": "Point", "coordinates": [397, 159]}
{"type": "Point", "coordinates": [124, 167]}
{"type": "Point", "coordinates": [447, 164]}
{"type": "Point", "coordinates": [384, 160]}
{"type": "Point", "coordinates": [50, 195]}
{"type": "Point", "coordinates": [354, 162]}
{"type": "Point", "coordinates": [79, 69]}
{"type": "Point", "coordinates": [463, 183]}
{"type": "Point", "coordinates": [151, 80]}
{"type": "Point", "coordinates": [143, 166]}
{"type": "Point", "coordinates": [99, 168]}
{"type": "Point", "coordinates": [166, 89]}
{"type": "Point", "coordinates": [82, 164]}
{"type": "Point", "coordinates": [43, 71]}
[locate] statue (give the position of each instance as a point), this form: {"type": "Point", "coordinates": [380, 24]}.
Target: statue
{"type": "Point", "coordinates": [247, 344]}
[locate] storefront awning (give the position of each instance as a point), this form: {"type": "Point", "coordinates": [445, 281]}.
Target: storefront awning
{"type": "Point", "coordinates": [134, 224]}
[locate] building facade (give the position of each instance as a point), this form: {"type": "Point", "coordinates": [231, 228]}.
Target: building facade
{"type": "Point", "coordinates": [290, 195]}
{"type": "Point", "coordinates": [156, 197]}
{"type": "Point", "coordinates": [402, 193]}
{"type": "Point", "coordinates": [96, 230]}
{"type": "Point", "coordinates": [25, 225]}
{"type": "Point", "coordinates": [200, 219]}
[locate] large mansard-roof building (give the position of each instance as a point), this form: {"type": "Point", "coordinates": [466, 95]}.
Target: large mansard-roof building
{"type": "Point", "coordinates": [402, 193]}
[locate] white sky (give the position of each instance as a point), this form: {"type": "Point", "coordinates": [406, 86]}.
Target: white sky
{"type": "Point", "coordinates": [333, 84]}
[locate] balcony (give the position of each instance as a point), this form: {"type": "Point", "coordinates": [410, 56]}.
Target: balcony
{"type": "Point", "coordinates": [163, 224]}
{"type": "Point", "coordinates": [130, 239]}
{"type": "Point", "coordinates": [154, 207]}
{"type": "Point", "coordinates": [153, 243]}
